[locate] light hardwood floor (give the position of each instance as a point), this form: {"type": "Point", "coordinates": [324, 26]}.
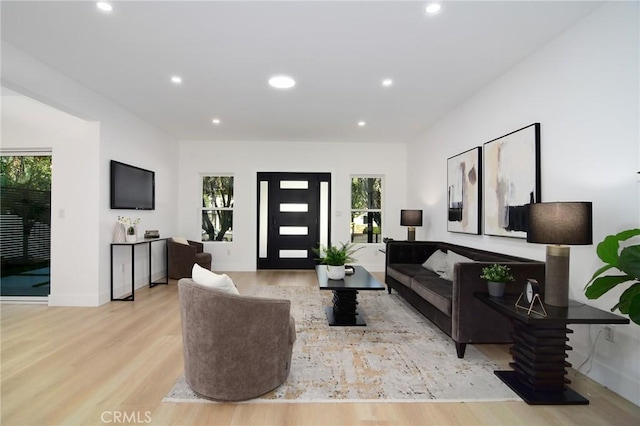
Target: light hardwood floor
{"type": "Point", "coordinates": [113, 364]}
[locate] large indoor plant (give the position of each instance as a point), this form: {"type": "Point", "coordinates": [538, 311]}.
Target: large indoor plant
{"type": "Point", "coordinates": [335, 257]}
{"type": "Point", "coordinates": [627, 261]}
{"type": "Point", "coordinates": [497, 276]}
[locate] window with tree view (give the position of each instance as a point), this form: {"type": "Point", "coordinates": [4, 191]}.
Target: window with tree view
{"type": "Point", "coordinates": [366, 209]}
{"type": "Point", "coordinates": [217, 208]}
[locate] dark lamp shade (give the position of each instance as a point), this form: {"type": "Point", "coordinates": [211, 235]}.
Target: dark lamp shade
{"type": "Point", "coordinates": [568, 223]}
{"type": "Point", "coordinates": [411, 217]}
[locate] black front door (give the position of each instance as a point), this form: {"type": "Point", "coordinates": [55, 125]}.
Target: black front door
{"type": "Point", "coordinates": [293, 217]}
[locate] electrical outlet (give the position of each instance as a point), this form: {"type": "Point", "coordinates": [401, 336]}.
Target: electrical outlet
{"type": "Point", "coordinates": [228, 252]}
{"type": "Point", "coordinates": [608, 334]}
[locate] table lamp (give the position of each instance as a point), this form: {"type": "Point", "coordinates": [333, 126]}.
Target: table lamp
{"type": "Point", "coordinates": [411, 218]}
{"type": "Point", "coordinates": [559, 224]}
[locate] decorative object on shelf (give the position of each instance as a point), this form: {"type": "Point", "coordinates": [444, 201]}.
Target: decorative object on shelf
{"type": "Point", "coordinates": [464, 198]}
{"type": "Point", "coordinates": [530, 294]}
{"type": "Point", "coordinates": [131, 235]}
{"type": "Point", "coordinates": [119, 233]}
{"type": "Point", "coordinates": [335, 257]}
{"type": "Point", "coordinates": [130, 226]}
{"type": "Point", "coordinates": [411, 218]}
{"type": "Point", "coordinates": [560, 224]}
{"type": "Point", "coordinates": [511, 181]}
{"type": "Point", "coordinates": [627, 261]}
{"type": "Point", "coordinates": [151, 234]}
{"type": "Point", "coordinates": [497, 276]}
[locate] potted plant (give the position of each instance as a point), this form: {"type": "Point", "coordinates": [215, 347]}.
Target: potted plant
{"type": "Point", "coordinates": [627, 261]}
{"type": "Point", "coordinates": [497, 276]}
{"type": "Point", "coordinates": [130, 227]}
{"type": "Point", "coordinates": [335, 257]}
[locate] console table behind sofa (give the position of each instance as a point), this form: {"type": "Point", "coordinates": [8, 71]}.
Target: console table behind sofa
{"type": "Point", "coordinates": [452, 305]}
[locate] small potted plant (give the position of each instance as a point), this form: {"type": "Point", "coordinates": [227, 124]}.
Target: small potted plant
{"type": "Point", "coordinates": [130, 227]}
{"type": "Point", "coordinates": [335, 257]}
{"type": "Point", "coordinates": [497, 276]}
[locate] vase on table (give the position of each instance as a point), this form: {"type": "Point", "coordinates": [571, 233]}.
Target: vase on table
{"type": "Point", "coordinates": [496, 289]}
{"type": "Point", "coordinates": [335, 272]}
{"type": "Point", "coordinates": [131, 236]}
{"type": "Point", "coordinates": [119, 233]}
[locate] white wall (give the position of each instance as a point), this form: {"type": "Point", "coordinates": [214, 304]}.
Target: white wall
{"type": "Point", "coordinates": [245, 159]}
{"type": "Point", "coordinates": [114, 134]}
{"type": "Point", "coordinates": [583, 88]}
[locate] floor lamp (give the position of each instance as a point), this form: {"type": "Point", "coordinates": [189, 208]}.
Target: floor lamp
{"type": "Point", "coordinates": [411, 218]}
{"type": "Point", "coordinates": [559, 224]}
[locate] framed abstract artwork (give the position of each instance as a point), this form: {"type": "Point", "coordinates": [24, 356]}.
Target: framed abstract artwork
{"type": "Point", "coordinates": [511, 181]}
{"type": "Point", "coordinates": [464, 180]}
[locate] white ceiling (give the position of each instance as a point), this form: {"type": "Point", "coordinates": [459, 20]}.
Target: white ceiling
{"type": "Point", "coordinates": [338, 52]}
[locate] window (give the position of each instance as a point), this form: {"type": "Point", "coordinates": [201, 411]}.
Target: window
{"type": "Point", "coordinates": [366, 209]}
{"type": "Point", "coordinates": [217, 208]}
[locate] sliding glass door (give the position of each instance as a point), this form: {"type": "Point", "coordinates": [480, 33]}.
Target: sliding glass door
{"type": "Point", "coordinates": [25, 225]}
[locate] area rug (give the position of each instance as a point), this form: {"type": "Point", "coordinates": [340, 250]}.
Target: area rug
{"type": "Point", "coordinates": [398, 356]}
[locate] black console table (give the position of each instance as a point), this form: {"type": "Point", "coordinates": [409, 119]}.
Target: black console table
{"type": "Point", "coordinates": [539, 349]}
{"type": "Point", "coordinates": [149, 241]}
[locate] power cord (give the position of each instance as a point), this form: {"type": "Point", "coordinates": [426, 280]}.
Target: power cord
{"type": "Point", "coordinates": [589, 358]}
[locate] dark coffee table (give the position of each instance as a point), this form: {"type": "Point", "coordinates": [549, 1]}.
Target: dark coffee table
{"type": "Point", "coordinates": [344, 311]}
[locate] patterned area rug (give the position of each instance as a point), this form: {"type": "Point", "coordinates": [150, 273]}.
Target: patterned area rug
{"type": "Point", "coordinates": [398, 356]}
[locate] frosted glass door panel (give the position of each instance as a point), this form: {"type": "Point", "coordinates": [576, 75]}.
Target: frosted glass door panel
{"type": "Point", "coordinates": [294, 207]}
{"type": "Point", "coordinates": [294, 184]}
{"type": "Point", "coordinates": [294, 230]}
{"type": "Point", "coordinates": [294, 254]}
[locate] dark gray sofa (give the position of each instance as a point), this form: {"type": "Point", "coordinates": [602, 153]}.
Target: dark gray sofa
{"type": "Point", "coordinates": [451, 305]}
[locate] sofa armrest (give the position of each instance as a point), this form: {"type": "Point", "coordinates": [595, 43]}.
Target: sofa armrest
{"type": "Point", "coordinates": [198, 246]}
{"type": "Point", "coordinates": [182, 250]}
{"type": "Point", "coordinates": [472, 320]}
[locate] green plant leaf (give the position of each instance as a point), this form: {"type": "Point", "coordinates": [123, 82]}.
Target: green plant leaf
{"type": "Point", "coordinates": [603, 284]}
{"type": "Point", "coordinates": [336, 255]}
{"type": "Point", "coordinates": [629, 261]}
{"type": "Point", "coordinates": [598, 272]}
{"type": "Point", "coordinates": [634, 309]}
{"type": "Point", "coordinates": [607, 250]}
{"type": "Point", "coordinates": [625, 298]}
{"type": "Point", "coordinates": [625, 235]}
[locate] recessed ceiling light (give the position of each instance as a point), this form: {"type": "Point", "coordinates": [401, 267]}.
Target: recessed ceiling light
{"type": "Point", "coordinates": [104, 6]}
{"type": "Point", "coordinates": [216, 121]}
{"type": "Point", "coordinates": [433, 8]}
{"type": "Point", "coordinates": [282, 82]}
{"type": "Point", "coordinates": [176, 79]}
{"type": "Point", "coordinates": [387, 82]}
{"type": "Point", "coordinates": [362, 123]}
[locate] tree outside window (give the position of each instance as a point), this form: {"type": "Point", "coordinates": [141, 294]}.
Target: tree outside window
{"type": "Point", "coordinates": [366, 209]}
{"type": "Point", "coordinates": [217, 208]}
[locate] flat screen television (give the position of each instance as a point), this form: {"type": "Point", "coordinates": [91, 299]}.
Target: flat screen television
{"type": "Point", "coordinates": [132, 188]}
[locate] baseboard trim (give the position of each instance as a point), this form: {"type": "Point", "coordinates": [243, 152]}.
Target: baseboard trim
{"type": "Point", "coordinates": [25, 300]}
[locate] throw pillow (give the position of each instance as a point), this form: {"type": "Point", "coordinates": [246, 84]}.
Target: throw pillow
{"type": "Point", "coordinates": [180, 240]}
{"type": "Point", "coordinates": [207, 278]}
{"type": "Point", "coordinates": [437, 262]}
{"type": "Point", "coordinates": [452, 259]}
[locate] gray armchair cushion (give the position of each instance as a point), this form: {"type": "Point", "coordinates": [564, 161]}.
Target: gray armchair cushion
{"type": "Point", "coordinates": [235, 347]}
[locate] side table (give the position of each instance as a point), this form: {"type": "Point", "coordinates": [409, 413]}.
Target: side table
{"type": "Point", "coordinates": [149, 242]}
{"type": "Point", "coordinates": [539, 349]}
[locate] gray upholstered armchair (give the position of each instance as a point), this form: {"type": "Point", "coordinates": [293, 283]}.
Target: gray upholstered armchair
{"type": "Point", "coordinates": [235, 347]}
{"type": "Point", "coordinates": [182, 257]}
